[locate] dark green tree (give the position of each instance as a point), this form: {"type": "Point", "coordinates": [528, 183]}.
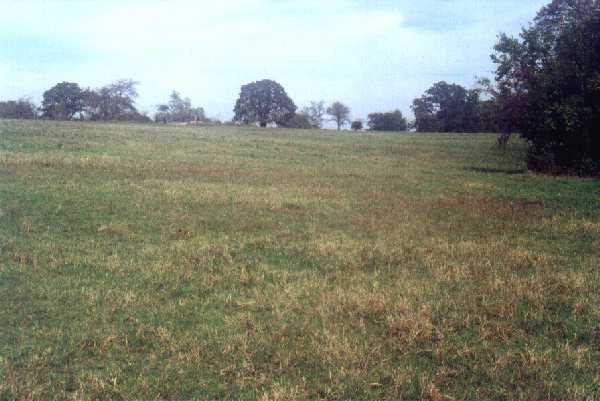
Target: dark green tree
{"type": "Point", "coordinates": [356, 125]}
{"type": "Point", "coordinates": [117, 100]}
{"type": "Point", "coordinates": [390, 121]}
{"type": "Point", "coordinates": [447, 108]}
{"type": "Point", "coordinates": [299, 120]}
{"type": "Point", "coordinates": [425, 116]}
{"type": "Point", "coordinates": [548, 84]}
{"type": "Point", "coordinates": [112, 102]}
{"type": "Point", "coordinates": [62, 101]}
{"type": "Point", "coordinates": [264, 102]}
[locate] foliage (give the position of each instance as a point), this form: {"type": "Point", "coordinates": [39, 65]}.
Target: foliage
{"type": "Point", "coordinates": [264, 102]}
{"type": "Point", "coordinates": [179, 110]}
{"type": "Point", "coordinates": [340, 114]}
{"type": "Point", "coordinates": [299, 120]}
{"type": "Point", "coordinates": [425, 117]}
{"type": "Point", "coordinates": [447, 108]}
{"type": "Point", "coordinates": [548, 84]}
{"type": "Point", "coordinates": [356, 125]}
{"type": "Point", "coordinates": [62, 101]}
{"type": "Point", "coordinates": [390, 121]}
{"type": "Point", "coordinates": [17, 109]}
{"type": "Point", "coordinates": [114, 101]}
{"type": "Point", "coordinates": [182, 110]}
{"type": "Point", "coordinates": [316, 113]}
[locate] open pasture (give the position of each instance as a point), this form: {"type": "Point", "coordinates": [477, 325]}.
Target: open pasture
{"type": "Point", "coordinates": [163, 262]}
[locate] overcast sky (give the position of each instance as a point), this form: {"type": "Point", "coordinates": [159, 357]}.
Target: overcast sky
{"type": "Point", "coordinates": [372, 55]}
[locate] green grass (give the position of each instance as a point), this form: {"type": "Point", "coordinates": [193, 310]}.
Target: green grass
{"type": "Point", "coordinates": [142, 262]}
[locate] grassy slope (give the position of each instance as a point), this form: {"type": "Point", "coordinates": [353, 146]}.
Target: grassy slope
{"type": "Point", "coordinates": [171, 262]}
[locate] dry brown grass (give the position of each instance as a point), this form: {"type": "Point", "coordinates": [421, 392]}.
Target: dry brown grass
{"type": "Point", "coordinates": [142, 262]}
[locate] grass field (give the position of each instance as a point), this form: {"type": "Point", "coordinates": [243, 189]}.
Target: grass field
{"type": "Point", "coordinates": [147, 262]}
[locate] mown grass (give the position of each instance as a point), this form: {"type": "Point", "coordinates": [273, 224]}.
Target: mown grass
{"type": "Point", "coordinates": [142, 262]}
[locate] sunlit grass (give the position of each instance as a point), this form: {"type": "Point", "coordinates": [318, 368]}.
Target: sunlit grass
{"type": "Point", "coordinates": [141, 262]}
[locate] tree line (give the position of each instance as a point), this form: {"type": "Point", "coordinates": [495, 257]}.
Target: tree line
{"type": "Point", "coordinates": [266, 102]}
{"type": "Point", "coordinates": [443, 108]}
{"type": "Point", "coordinates": [112, 102]}
{"type": "Point", "coordinates": [546, 88]}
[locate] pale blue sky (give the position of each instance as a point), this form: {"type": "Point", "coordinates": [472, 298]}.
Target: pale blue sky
{"type": "Point", "coordinates": [372, 55]}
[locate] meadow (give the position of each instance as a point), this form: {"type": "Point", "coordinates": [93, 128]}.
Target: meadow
{"type": "Point", "coordinates": [172, 262]}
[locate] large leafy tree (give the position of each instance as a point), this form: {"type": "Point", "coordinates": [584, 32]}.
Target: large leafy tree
{"type": "Point", "coordinates": [118, 99]}
{"type": "Point", "coordinates": [264, 102]}
{"type": "Point", "coordinates": [340, 114]}
{"type": "Point", "coordinates": [548, 84]}
{"type": "Point", "coordinates": [62, 101]}
{"type": "Point", "coordinates": [391, 121]}
{"type": "Point", "coordinates": [115, 101]}
{"type": "Point", "coordinates": [447, 108]}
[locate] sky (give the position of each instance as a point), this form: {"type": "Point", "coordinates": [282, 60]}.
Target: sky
{"type": "Point", "coordinates": [373, 55]}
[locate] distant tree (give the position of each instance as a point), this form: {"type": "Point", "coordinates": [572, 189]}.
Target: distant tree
{"type": "Point", "coordinates": [118, 99]}
{"type": "Point", "coordinates": [356, 125]}
{"type": "Point", "coordinates": [489, 115]}
{"type": "Point", "coordinates": [447, 108]}
{"type": "Point", "coordinates": [62, 101]}
{"type": "Point", "coordinates": [316, 113]}
{"type": "Point", "coordinates": [179, 110]}
{"type": "Point", "coordinates": [162, 113]}
{"type": "Point", "coordinates": [391, 121]}
{"type": "Point", "coordinates": [299, 120]}
{"type": "Point", "coordinates": [340, 113]}
{"type": "Point", "coordinates": [264, 102]}
{"type": "Point", "coordinates": [92, 102]}
{"type": "Point", "coordinates": [17, 109]}
{"type": "Point", "coordinates": [136, 117]}
{"type": "Point", "coordinates": [112, 102]}
{"type": "Point", "coordinates": [425, 116]}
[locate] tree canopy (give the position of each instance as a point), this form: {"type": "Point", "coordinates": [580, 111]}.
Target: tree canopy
{"type": "Point", "coordinates": [18, 109]}
{"type": "Point", "coordinates": [179, 110]}
{"type": "Point", "coordinates": [264, 102]}
{"type": "Point", "coordinates": [115, 101]}
{"type": "Point", "coordinates": [299, 120]}
{"type": "Point", "coordinates": [447, 108]}
{"type": "Point", "coordinates": [548, 86]}
{"type": "Point", "coordinates": [62, 101]}
{"type": "Point", "coordinates": [390, 121]}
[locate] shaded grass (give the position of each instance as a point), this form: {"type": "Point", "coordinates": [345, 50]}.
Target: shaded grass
{"type": "Point", "coordinates": [142, 261]}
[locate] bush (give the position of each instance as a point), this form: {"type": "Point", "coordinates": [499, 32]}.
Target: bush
{"type": "Point", "coordinates": [392, 121]}
{"type": "Point", "coordinates": [298, 120]}
{"type": "Point", "coordinates": [357, 125]}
